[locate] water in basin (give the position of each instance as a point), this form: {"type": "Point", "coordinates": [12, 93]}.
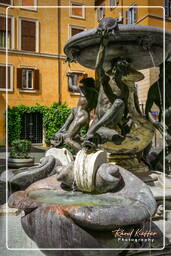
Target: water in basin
{"type": "Point", "coordinates": [77, 198]}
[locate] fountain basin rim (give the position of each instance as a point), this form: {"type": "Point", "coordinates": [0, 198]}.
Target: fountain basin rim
{"type": "Point", "coordinates": [132, 42]}
{"type": "Point", "coordinates": [122, 27]}
{"type": "Point", "coordinates": [110, 214]}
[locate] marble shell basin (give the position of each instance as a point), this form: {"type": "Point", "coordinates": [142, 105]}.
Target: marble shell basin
{"type": "Point", "coordinates": [61, 215]}
{"type": "Point", "coordinates": [131, 42]}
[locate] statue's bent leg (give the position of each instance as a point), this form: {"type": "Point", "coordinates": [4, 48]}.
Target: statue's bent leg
{"type": "Point", "coordinates": [62, 132]}
{"type": "Point", "coordinates": [112, 116]}
{"type": "Point", "coordinates": [67, 122]}
{"type": "Point", "coordinates": [108, 134]}
{"type": "Point", "coordinates": [81, 120]}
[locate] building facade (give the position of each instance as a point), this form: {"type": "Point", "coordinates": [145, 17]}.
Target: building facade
{"type": "Point", "coordinates": [37, 72]}
{"type": "Point", "coordinates": [37, 32]}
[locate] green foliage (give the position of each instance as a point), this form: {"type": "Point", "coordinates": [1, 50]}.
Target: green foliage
{"type": "Point", "coordinates": [53, 119]}
{"type": "Point", "coordinates": [20, 149]}
{"type": "Point", "coordinates": [84, 130]}
{"type": "Point", "coordinates": [14, 124]}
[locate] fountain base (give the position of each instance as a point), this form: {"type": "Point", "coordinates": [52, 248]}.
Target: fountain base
{"type": "Point", "coordinates": [80, 220]}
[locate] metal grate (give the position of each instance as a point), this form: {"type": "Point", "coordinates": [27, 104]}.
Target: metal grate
{"type": "Point", "coordinates": [32, 127]}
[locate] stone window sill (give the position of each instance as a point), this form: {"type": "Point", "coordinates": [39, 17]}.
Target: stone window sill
{"type": "Point", "coordinates": [27, 91]}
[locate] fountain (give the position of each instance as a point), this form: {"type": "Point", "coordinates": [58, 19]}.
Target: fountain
{"type": "Point", "coordinates": [90, 196]}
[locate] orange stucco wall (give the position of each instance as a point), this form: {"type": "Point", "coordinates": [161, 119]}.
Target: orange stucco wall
{"type": "Point", "coordinates": [53, 33]}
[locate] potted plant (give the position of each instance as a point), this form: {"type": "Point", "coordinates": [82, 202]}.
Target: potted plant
{"type": "Point", "coordinates": [19, 154]}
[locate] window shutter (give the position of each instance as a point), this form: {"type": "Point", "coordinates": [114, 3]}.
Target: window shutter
{"type": "Point", "coordinates": [75, 31]}
{"type": "Point", "coordinates": [28, 3]}
{"type": "Point", "coordinates": [5, 2]}
{"type": "Point", "coordinates": [9, 78]}
{"type": "Point", "coordinates": [77, 10]}
{"type": "Point", "coordinates": [19, 78]}
{"type": "Point", "coordinates": [28, 34]}
{"type": "Point", "coordinates": [3, 24]}
{"type": "Point", "coordinates": [36, 80]}
{"type": "Point", "coordinates": [2, 77]}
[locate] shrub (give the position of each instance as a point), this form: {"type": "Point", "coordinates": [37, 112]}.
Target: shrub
{"type": "Point", "coordinates": [53, 119]}
{"type": "Point", "coordinates": [20, 149]}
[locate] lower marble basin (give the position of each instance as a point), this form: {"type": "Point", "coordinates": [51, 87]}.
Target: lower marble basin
{"type": "Point", "coordinates": [66, 198]}
{"type": "Point", "coordinates": [56, 218]}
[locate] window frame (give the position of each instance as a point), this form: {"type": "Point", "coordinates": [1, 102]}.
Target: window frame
{"type": "Point", "coordinates": [1, 4]}
{"type": "Point", "coordinates": [29, 8]}
{"type": "Point", "coordinates": [98, 8]}
{"type": "Point", "coordinates": [78, 4]}
{"type": "Point", "coordinates": [113, 6]}
{"type": "Point", "coordinates": [11, 89]}
{"type": "Point", "coordinates": [12, 46]}
{"type": "Point", "coordinates": [32, 79]}
{"type": "Point", "coordinates": [74, 26]}
{"type": "Point", "coordinates": [20, 19]}
{"type": "Point", "coordinates": [77, 72]}
{"type": "Point", "coordinates": [129, 11]}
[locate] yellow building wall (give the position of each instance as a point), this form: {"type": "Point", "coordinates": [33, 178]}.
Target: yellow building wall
{"type": "Point", "coordinates": [51, 22]}
{"type": "Point", "coordinates": [48, 66]}
{"type": "Point", "coordinates": [47, 93]}
{"type": "Point", "coordinates": [47, 17]}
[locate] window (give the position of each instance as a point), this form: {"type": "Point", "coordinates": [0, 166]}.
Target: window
{"type": "Point", "coordinates": [29, 39]}
{"type": "Point", "coordinates": [113, 4]}
{"type": "Point", "coordinates": [100, 12]}
{"type": "Point", "coordinates": [73, 30]}
{"type": "Point", "coordinates": [77, 10]}
{"type": "Point", "coordinates": [131, 15]}
{"type": "Point", "coordinates": [28, 78]}
{"type": "Point", "coordinates": [29, 4]}
{"type": "Point", "coordinates": [3, 42]}
{"type": "Point", "coordinates": [3, 85]}
{"type": "Point", "coordinates": [168, 8]}
{"type": "Point", "coordinates": [74, 80]}
{"type": "Point", "coordinates": [6, 2]}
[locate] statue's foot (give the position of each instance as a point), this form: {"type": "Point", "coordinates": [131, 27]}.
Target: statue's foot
{"type": "Point", "coordinates": [74, 145]}
{"type": "Point", "coordinates": [58, 140]}
{"type": "Point", "coordinates": [88, 145]}
{"type": "Point", "coordinates": [91, 141]}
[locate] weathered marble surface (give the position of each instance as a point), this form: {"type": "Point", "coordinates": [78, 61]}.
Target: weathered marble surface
{"type": "Point", "coordinates": [63, 154]}
{"type": "Point", "coordinates": [55, 220]}
{"type": "Point", "coordinates": [23, 177]}
{"type": "Point", "coordinates": [131, 41]}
